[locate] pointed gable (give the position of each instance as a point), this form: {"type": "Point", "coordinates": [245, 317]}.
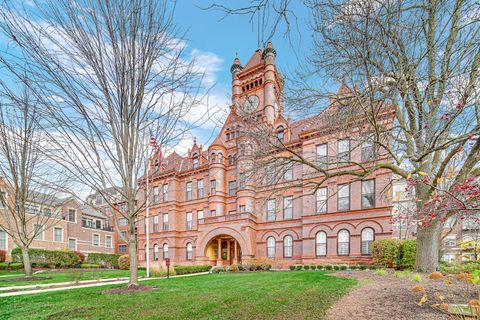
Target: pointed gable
{"type": "Point", "coordinates": [255, 60]}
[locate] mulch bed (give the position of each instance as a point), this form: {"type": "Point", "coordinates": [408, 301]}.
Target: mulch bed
{"type": "Point", "coordinates": [388, 297]}
{"type": "Point", "coordinates": [129, 289]}
{"type": "Point", "coordinates": [26, 279]}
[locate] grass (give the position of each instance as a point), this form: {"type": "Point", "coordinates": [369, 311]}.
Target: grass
{"type": "Point", "coordinates": [67, 276]}
{"type": "Point", "coordinates": [7, 273]}
{"type": "Point", "coordinates": [262, 295]}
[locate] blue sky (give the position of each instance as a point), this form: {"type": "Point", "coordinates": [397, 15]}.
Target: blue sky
{"type": "Point", "coordinates": [214, 41]}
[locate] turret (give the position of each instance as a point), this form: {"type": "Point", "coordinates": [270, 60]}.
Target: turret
{"type": "Point", "coordinates": [236, 87]}
{"type": "Point", "coordinates": [269, 90]}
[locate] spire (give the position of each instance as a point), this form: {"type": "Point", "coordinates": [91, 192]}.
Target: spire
{"type": "Point", "coordinates": [344, 89]}
{"type": "Point", "coordinates": [236, 66]}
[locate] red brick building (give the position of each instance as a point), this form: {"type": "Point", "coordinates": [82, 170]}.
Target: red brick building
{"type": "Point", "coordinates": [204, 211]}
{"type": "Point", "coordinates": [61, 222]}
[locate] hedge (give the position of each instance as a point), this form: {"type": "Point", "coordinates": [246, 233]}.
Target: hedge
{"type": "Point", "coordinates": [191, 269]}
{"type": "Point", "coordinates": [90, 266]}
{"type": "Point", "coordinates": [11, 266]}
{"type": "Point", "coordinates": [392, 253]}
{"type": "Point", "coordinates": [47, 258]}
{"type": "Point", "coordinates": [106, 260]}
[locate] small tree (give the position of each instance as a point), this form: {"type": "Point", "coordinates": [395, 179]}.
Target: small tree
{"type": "Point", "coordinates": [30, 183]}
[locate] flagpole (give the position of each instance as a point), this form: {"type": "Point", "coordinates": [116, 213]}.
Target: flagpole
{"type": "Point", "coordinates": [147, 221]}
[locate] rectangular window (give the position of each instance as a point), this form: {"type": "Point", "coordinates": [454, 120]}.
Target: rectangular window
{"type": "Point", "coordinates": [368, 194]}
{"type": "Point", "coordinates": [98, 224]}
{"type": "Point", "coordinates": [200, 193]}
{"type": "Point", "coordinates": [343, 197]}
{"type": "Point", "coordinates": [96, 240]}
{"type": "Point", "coordinates": [344, 150]}
{"type": "Point", "coordinates": [57, 234]}
{"type": "Point", "coordinates": [321, 201]}
{"type": "Point", "coordinates": [47, 212]}
{"type": "Point", "coordinates": [72, 215]}
{"type": "Point", "coordinates": [3, 199]}
{"type": "Point", "coordinates": [122, 222]}
{"type": "Point", "coordinates": [213, 187]}
{"type": "Point", "coordinates": [242, 208]}
{"type": "Point", "coordinates": [99, 200]}
{"type": "Point", "coordinates": [165, 222]}
{"type": "Point", "coordinates": [189, 221]}
{"type": "Point", "coordinates": [32, 209]}
{"type": "Point", "coordinates": [288, 207]}
{"type": "Point", "coordinates": [270, 173]}
{"type": "Point", "coordinates": [271, 210]}
{"type": "Point", "coordinates": [3, 240]}
{"type": "Point", "coordinates": [165, 192]}
{"type": "Point", "coordinates": [213, 213]}
{"type": "Point", "coordinates": [232, 188]}
{"type": "Point", "coordinates": [38, 232]}
{"type": "Point", "coordinates": [123, 235]}
{"type": "Point", "coordinates": [243, 179]}
{"type": "Point", "coordinates": [155, 224]}
{"type": "Point", "coordinates": [72, 244]}
{"type": "Point", "coordinates": [288, 173]}
{"type": "Point", "coordinates": [368, 153]}
{"type": "Point", "coordinates": [200, 214]}
{"type": "Point", "coordinates": [108, 241]}
{"type": "Point", "coordinates": [122, 248]}
{"type": "Point", "coordinates": [156, 194]}
{"type": "Point", "coordinates": [321, 155]}
{"type": "Point", "coordinates": [188, 189]}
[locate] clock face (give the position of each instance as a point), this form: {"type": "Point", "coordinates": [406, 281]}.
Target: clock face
{"type": "Point", "coordinates": [251, 103]}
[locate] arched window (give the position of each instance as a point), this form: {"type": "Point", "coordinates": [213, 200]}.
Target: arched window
{"type": "Point", "coordinates": [271, 247]}
{"type": "Point", "coordinates": [212, 158]}
{"type": "Point", "coordinates": [145, 255]}
{"type": "Point", "coordinates": [281, 134]}
{"type": "Point", "coordinates": [343, 239]}
{"type": "Point", "coordinates": [189, 251]}
{"type": "Point", "coordinates": [165, 251]}
{"type": "Point", "coordinates": [368, 235]}
{"type": "Point", "coordinates": [155, 252]}
{"type": "Point", "coordinates": [288, 246]}
{"type": "Point", "coordinates": [321, 243]}
{"type": "Point", "coordinates": [220, 157]}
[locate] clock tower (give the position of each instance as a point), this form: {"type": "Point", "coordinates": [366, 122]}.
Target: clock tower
{"type": "Point", "coordinates": [257, 87]}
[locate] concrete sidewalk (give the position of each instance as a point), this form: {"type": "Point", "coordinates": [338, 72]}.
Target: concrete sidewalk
{"type": "Point", "coordinates": [96, 284]}
{"type": "Point", "coordinates": [56, 284]}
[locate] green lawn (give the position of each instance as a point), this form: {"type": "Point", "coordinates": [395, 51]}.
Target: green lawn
{"type": "Point", "coordinates": [66, 276]}
{"type": "Point", "coordinates": [272, 295]}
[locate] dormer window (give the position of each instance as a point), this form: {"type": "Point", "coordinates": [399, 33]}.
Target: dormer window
{"type": "Point", "coordinates": [195, 161]}
{"type": "Point", "coordinates": [281, 134]}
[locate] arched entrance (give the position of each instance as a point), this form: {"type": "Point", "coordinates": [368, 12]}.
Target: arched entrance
{"type": "Point", "coordinates": [223, 250]}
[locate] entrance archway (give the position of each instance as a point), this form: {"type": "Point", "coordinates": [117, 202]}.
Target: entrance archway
{"type": "Point", "coordinates": [223, 250]}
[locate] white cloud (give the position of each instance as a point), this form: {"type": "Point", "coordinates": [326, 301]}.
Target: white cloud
{"type": "Point", "coordinates": [207, 63]}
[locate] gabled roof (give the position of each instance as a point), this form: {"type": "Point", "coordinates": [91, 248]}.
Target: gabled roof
{"type": "Point", "coordinates": [255, 59]}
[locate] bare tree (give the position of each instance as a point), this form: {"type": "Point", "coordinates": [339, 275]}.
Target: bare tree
{"type": "Point", "coordinates": [30, 184]}
{"type": "Point", "coordinates": [422, 58]}
{"type": "Point", "coordinates": [112, 74]}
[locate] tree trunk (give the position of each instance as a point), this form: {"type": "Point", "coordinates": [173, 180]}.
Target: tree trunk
{"type": "Point", "coordinates": [132, 250]}
{"type": "Point", "coordinates": [26, 262]}
{"type": "Point", "coordinates": [428, 247]}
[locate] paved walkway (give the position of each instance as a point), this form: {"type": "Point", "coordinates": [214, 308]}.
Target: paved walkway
{"type": "Point", "coordinates": [56, 284]}
{"type": "Point", "coordinates": [96, 284]}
